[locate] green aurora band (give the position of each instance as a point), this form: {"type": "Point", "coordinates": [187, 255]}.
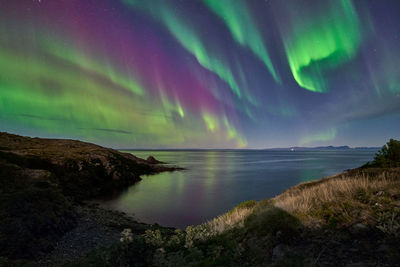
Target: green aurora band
{"type": "Point", "coordinates": [193, 74]}
{"type": "Point", "coordinates": [239, 21]}
{"type": "Point", "coordinates": [316, 45]}
{"type": "Point", "coordinates": [179, 29]}
{"type": "Point", "coordinates": [91, 104]}
{"type": "Point", "coordinates": [73, 94]}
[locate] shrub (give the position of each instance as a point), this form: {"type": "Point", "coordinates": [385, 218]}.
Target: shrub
{"type": "Point", "coordinates": [33, 214]}
{"type": "Point", "coordinates": [274, 222]}
{"type": "Point", "coordinates": [389, 155]}
{"type": "Point", "coordinates": [32, 220]}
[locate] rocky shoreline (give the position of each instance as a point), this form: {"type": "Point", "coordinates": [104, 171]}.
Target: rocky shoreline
{"type": "Point", "coordinates": [82, 170]}
{"type": "Point", "coordinates": [96, 228]}
{"type": "Point", "coordinates": [44, 186]}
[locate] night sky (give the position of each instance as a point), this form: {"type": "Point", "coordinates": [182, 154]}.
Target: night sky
{"type": "Point", "coordinates": [201, 73]}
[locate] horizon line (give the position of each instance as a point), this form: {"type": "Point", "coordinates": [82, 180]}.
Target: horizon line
{"type": "Point", "coordinates": [273, 148]}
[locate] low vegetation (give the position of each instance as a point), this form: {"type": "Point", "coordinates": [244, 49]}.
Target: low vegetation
{"type": "Point", "coordinates": [34, 213]}
{"type": "Point", "coordinates": [345, 199]}
{"type": "Point", "coordinates": [42, 181]}
{"type": "Point", "coordinates": [388, 156]}
{"type": "Point", "coordinates": [81, 170]}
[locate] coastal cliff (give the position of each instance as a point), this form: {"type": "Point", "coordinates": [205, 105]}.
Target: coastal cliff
{"type": "Point", "coordinates": [43, 183]}
{"type": "Point", "coordinates": [81, 170]}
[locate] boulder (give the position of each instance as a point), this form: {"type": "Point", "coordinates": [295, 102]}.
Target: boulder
{"type": "Point", "coordinates": [152, 160]}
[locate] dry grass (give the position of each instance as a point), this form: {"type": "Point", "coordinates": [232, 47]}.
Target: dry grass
{"type": "Point", "coordinates": [234, 218]}
{"type": "Point", "coordinates": [342, 194]}
{"type": "Point", "coordinates": [302, 198]}
{"type": "Point", "coordinates": [357, 195]}
{"type": "Point", "coordinates": [345, 199]}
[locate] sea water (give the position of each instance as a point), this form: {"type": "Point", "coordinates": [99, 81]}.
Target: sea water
{"type": "Point", "coordinates": [215, 181]}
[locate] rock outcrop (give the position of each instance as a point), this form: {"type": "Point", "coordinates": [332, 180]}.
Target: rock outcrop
{"type": "Point", "coordinates": [152, 160]}
{"type": "Point", "coordinates": [81, 170]}
{"type": "Point", "coordinates": [43, 183]}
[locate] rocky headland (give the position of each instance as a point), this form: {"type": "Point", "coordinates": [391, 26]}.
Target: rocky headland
{"type": "Point", "coordinates": [44, 184]}
{"type": "Point", "coordinates": [81, 170]}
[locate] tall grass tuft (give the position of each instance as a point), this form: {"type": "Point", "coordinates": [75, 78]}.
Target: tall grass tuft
{"type": "Point", "coordinates": [347, 197]}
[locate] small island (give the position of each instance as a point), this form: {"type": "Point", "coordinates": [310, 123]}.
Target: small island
{"type": "Point", "coordinates": [349, 218]}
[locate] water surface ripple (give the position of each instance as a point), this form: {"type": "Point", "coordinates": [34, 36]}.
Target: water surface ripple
{"type": "Point", "coordinates": [216, 181]}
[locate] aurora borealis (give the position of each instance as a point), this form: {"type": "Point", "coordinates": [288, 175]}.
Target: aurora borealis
{"type": "Point", "coordinates": [201, 73]}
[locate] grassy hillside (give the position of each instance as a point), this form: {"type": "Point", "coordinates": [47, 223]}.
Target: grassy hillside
{"type": "Point", "coordinates": [43, 180]}
{"type": "Point", "coordinates": [81, 170]}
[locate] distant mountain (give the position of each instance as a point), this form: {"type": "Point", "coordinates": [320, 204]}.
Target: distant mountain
{"type": "Point", "coordinates": [332, 147]}
{"type": "Point", "coordinates": [299, 148]}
